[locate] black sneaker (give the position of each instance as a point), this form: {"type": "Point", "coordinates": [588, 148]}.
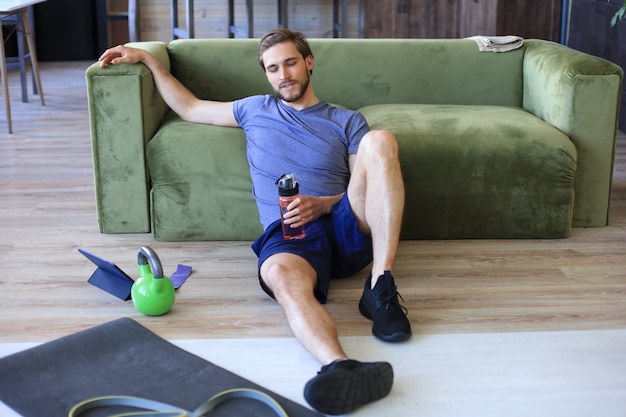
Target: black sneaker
{"type": "Point", "coordinates": [380, 304]}
{"type": "Point", "coordinates": [344, 386]}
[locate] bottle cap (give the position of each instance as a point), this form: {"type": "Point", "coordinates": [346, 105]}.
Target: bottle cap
{"type": "Point", "coordinates": [287, 185]}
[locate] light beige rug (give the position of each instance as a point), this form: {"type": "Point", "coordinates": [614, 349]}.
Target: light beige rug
{"type": "Point", "coordinates": [551, 374]}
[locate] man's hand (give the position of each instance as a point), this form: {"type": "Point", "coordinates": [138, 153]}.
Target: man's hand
{"type": "Point", "coordinates": [306, 209]}
{"type": "Point", "coordinates": [121, 55]}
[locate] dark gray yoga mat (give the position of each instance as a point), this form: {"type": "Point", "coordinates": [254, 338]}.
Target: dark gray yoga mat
{"type": "Point", "coordinates": [122, 357]}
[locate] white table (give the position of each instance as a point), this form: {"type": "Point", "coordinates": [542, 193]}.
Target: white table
{"type": "Point", "coordinates": [19, 9]}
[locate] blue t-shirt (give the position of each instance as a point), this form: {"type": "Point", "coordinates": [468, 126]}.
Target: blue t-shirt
{"type": "Point", "coordinates": [313, 144]}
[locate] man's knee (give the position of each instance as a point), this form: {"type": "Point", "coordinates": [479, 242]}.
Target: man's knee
{"type": "Point", "coordinates": [380, 143]}
{"type": "Point", "coordinates": [288, 281]}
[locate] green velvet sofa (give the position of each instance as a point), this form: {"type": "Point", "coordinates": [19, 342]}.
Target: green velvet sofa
{"type": "Point", "coordinates": [492, 145]}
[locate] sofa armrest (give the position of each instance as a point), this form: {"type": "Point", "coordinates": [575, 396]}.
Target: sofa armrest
{"type": "Point", "coordinates": [580, 95]}
{"type": "Point", "coordinates": [125, 110]}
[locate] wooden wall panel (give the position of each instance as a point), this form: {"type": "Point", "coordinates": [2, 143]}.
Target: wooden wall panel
{"type": "Point", "coordinates": [436, 18]}
{"type": "Point", "coordinates": [312, 17]}
{"type": "Point", "coordinates": [379, 19]}
{"type": "Point", "coordinates": [383, 18]}
{"type": "Point", "coordinates": [411, 19]}
{"type": "Point", "coordinates": [478, 17]}
{"type": "Point", "coordinates": [530, 19]}
{"type": "Point", "coordinates": [462, 18]}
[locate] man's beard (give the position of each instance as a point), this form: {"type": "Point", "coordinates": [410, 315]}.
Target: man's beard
{"type": "Point", "coordinates": [297, 95]}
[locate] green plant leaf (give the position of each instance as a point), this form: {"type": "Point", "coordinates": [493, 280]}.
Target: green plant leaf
{"type": "Point", "coordinates": [619, 15]}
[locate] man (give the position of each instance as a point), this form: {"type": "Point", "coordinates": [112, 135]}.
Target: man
{"type": "Point", "coordinates": [351, 202]}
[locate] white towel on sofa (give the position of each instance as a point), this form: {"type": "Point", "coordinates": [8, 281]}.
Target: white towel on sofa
{"type": "Point", "coordinates": [498, 43]}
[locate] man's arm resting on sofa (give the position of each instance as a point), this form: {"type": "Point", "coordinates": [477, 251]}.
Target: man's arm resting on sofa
{"type": "Point", "coordinates": [175, 94]}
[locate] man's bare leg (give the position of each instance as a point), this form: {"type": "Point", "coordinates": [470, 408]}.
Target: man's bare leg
{"type": "Point", "coordinates": [376, 193]}
{"type": "Point", "coordinates": [342, 385]}
{"type": "Point", "coordinates": [293, 280]}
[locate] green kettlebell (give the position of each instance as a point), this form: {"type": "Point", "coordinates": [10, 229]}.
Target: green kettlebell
{"type": "Point", "coordinates": [152, 293]}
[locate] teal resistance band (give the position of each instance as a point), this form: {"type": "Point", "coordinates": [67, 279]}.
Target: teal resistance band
{"type": "Point", "coordinates": [159, 409]}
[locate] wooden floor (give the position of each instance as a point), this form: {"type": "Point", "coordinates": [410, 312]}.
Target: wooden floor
{"type": "Point", "coordinates": [47, 211]}
{"type": "Point", "coordinates": [513, 327]}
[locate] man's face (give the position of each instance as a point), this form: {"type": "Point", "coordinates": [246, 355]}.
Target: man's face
{"type": "Point", "coordinates": [287, 71]}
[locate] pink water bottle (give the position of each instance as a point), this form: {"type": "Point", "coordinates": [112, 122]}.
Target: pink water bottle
{"type": "Point", "coordinates": [288, 191]}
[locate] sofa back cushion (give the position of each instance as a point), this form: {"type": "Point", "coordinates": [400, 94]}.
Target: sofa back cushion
{"type": "Point", "coordinates": [357, 73]}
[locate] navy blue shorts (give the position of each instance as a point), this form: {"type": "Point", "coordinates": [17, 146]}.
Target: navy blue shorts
{"type": "Point", "coordinates": [333, 246]}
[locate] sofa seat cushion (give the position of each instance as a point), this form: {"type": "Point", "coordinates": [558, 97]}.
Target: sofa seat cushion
{"type": "Point", "coordinates": [201, 187]}
{"type": "Point", "coordinates": [480, 171]}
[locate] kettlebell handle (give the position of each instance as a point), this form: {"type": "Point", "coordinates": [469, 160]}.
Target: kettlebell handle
{"type": "Point", "coordinates": [147, 255]}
